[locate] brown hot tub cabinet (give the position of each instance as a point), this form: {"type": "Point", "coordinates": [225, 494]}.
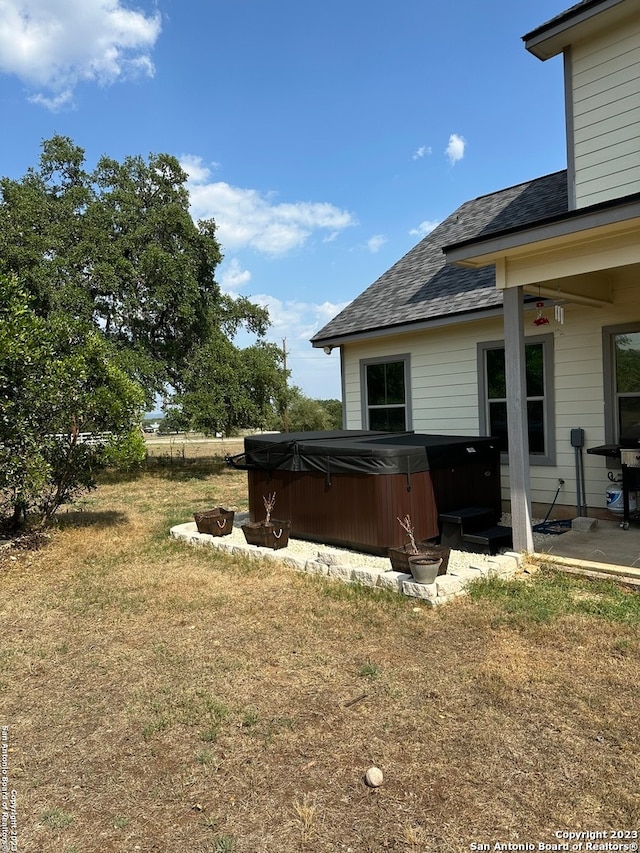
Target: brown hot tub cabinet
{"type": "Point", "coordinates": [349, 487]}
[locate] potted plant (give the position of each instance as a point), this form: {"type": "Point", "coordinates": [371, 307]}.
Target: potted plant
{"type": "Point", "coordinates": [424, 560]}
{"type": "Point", "coordinates": [270, 533]}
{"type": "Point", "coordinates": [215, 522]}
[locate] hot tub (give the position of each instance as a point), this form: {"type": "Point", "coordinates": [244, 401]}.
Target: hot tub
{"type": "Point", "coordinates": [349, 487]}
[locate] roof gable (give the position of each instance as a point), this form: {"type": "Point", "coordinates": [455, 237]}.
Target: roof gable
{"type": "Point", "coordinates": [584, 20]}
{"type": "Point", "coordinates": [420, 287]}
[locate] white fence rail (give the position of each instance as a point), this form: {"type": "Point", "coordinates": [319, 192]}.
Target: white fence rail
{"type": "Point", "coordinates": [93, 439]}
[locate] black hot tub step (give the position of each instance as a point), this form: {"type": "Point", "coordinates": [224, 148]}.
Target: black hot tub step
{"type": "Point", "coordinates": [490, 540]}
{"type": "Point", "coordinates": [468, 515]}
{"type": "Point", "coordinates": [458, 521]}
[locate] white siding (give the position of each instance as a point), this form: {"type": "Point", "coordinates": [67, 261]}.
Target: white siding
{"type": "Point", "coordinates": [444, 384]}
{"type": "Point", "coordinates": [606, 114]}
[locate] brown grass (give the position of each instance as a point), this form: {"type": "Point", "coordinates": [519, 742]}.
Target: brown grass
{"type": "Point", "coordinates": [161, 697]}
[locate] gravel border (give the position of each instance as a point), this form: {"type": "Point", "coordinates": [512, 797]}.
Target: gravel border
{"type": "Point", "coordinates": [357, 567]}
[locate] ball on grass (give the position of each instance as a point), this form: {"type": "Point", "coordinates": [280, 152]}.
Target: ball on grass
{"type": "Point", "coordinates": [373, 777]}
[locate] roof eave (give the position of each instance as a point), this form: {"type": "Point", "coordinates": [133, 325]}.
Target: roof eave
{"type": "Point", "coordinates": [479, 251]}
{"type": "Point", "coordinates": [552, 38]}
{"type": "Point", "coordinates": [407, 328]}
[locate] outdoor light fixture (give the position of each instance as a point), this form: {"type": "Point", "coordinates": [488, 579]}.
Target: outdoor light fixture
{"type": "Point", "coordinates": [328, 350]}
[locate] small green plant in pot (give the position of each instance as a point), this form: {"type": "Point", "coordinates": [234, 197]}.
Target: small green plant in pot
{"type": "Point", "coordinates": [270, 533]}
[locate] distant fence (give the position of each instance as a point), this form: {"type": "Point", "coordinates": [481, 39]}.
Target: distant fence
{"type": "Point", "coordinates": [93, 439]}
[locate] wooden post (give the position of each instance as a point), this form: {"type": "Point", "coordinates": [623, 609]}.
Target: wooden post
{"type": "Point", "coordinates": [517, 427]}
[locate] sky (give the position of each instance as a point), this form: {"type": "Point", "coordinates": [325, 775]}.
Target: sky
{"type": "Point", "coordinates": [326, 139]}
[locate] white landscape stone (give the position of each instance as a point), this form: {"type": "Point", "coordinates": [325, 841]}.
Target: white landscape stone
{"type": "Point", "coordinates": [448, 584]}
{"type": "Point", "coordinates": [316, 568]}
{"type": "Point", "coordinates": [428, 591]}
{"type": "Point", "coordinates": [367, 577]}
{"type": "Point", "coordinates": [350, 566]}
{"type": "Point", "coordinates": [341, 572]}
{"type": "Point", "coordinates": [290, 562]}
{"type": "Point", "coordinates": [392, 580]}
{"type": "Point", "coordinates": [465, 574]}
{"type": "Point", "coordinates": [502, 566]}
{"type": "Point", "coordinates": [481, 570]}
{"type": "Point", "coordinates": [328, 558]}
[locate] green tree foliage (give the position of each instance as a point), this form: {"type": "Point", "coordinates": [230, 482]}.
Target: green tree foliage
{"type": "Point", "coordinates": [306, 414]}
{"type": "Point", "coordinates": [227, 388]}
{"type": "Point", "coordinates": [117, 248]}
{"type": "Point", "coordinates": [333, 409]}
{"type": "Point", "coordinates": [118, 293]}
{"type": "Point", "coordinates": [59, 380]}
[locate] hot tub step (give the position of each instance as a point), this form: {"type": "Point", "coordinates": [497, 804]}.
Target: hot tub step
{"type": "Point", "coordinates": [455, 523]}
{"type": "Point", "coordinates": [488, 541]}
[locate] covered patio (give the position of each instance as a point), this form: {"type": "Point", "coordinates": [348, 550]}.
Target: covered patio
{"type": "Point", "coordinates": [575, 258]}
{"type": "Point", "coordinates": [605, 550]}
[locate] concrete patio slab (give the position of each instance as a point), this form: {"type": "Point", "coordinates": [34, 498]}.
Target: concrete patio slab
{"type": "Point", "coordinates": [606, 549]}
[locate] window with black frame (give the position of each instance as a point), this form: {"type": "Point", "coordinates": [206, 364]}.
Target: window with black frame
{"type": "Point", "coordinates": [385, 387]}
{"type": "Point", "coordinates": [626, 384]}
{"type": "Point", "coordinates": [493, 392]}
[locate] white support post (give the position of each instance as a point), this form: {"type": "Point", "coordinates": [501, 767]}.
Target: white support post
{"type": "Point", "coordinates": [517, 419]}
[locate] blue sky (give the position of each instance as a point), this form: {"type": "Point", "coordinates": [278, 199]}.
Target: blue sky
{"type": "Point", "coordinates": [324, 138]}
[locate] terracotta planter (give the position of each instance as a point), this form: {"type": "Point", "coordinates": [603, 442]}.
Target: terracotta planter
{"type": "Point", "coordinates": [273, 535]}
{"type": "Point", "coordinates": [424, 569]}
{"type": "Point", "coordinates": [400, 556]}
{"type": "Point", "coordinates": [215, 522]}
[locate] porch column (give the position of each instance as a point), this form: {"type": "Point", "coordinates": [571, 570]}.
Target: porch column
{"type": "Point", "coordinates": [517, 429]}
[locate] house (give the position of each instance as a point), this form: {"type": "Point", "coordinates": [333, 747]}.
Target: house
{"type": "Point", "coordinates": [447, 341]}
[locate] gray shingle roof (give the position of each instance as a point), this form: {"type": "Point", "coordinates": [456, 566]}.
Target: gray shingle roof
{"type": "Point", "coordinates": [564, 16]}
{"type": "Point", "coordinates": [420, 287]}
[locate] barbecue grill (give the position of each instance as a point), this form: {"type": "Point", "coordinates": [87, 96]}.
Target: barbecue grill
{"type": "Point", "coordinates": [628, 454]}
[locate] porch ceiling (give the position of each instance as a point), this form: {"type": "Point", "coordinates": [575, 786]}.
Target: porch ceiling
{"type": "Point", "coordinates": [594, 289]}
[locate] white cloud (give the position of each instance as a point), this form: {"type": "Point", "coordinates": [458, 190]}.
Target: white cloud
{"type": "Point", "coordinates": [294, 319]}
{"type": "Point", "coordinates": [375, 243]}
{"type": "Point", "coordinates": [455, 148]}
{"type": "Point", "coordinates": [424, 228]}
{"type": "Point", "coordinates": [245, 217]}
{"type": "Point", "coordinates": [52, 45]}
{"type": "Point", "coordinates": [419, 153]}
{"type": "Point", "coordinates": [232, 276]}
{"type": "Point", "coordinates": [195, 169]}
{"type": "Point", "coordinates": [296, 322]}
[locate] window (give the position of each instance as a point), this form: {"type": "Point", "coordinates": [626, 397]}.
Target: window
{"type": "Point", "coordinates": [493, 395]}
{"type": "Point", "coordinates": [385, 394]}
{"type": "Point", "coordinates": [622, 382]}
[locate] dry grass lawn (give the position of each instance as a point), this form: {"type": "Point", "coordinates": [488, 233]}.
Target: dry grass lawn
{"type": "Point", "coordinates": [161, 697]}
